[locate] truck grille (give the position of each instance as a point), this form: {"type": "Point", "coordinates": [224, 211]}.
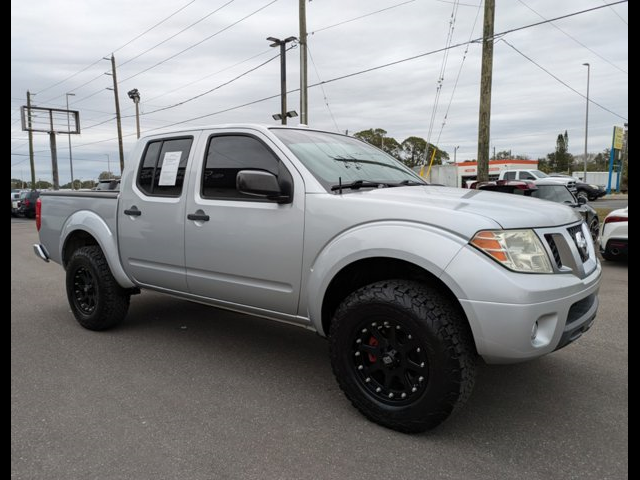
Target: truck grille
{"type": "Point", "coordinates": [581, 242]}
{"type": "Point", "coordinates": [570, 249]}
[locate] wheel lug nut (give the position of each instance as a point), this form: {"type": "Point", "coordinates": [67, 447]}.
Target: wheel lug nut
{"type": "Point", "coordinates": [420, 379]}
{"type": "Point", "coordinates": [391, 395]}
{"type": "Point", "coordinates": [421, 364]}
{"type": "Point", "coordinates": [408, 337]}
{"type": "Point", "coordinates": [360, 367]}
{"type": "Point", "coordinates": [378, 390]}
{"type": "Point", "coordinates": [418, 349]}
{"type": "Point", "coordinates": [397, 327]}
{"type": "Point", "coordinates": [403, 395]}
{"type": "Point", "coordinates": [367, 379]}
{"type": "Point", "coordinates": [357, 354]}
{"type": "Point", "coordinates": [358, 340]}
{"type": "Point", "coordinates": [374, 324]}
{"type": "Point", "coordinates": [414, 389]}
{"type": "Point", "coordinates": [364, 330]}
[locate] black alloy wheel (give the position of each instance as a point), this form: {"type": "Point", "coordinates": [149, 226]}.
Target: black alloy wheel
{"type": "Point", "coordinates": [389, 362]}
{"type": "Point", "coordinates": [85, 291]}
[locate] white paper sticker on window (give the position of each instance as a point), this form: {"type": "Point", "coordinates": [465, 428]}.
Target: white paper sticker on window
{"type": "Point", "coordinates": [169, 169]}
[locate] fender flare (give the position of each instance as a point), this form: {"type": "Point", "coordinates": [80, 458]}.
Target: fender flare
{"type": "Point", "coordinates": [412, 242]}
{"type": "Point", "coordinates": [91, 223]}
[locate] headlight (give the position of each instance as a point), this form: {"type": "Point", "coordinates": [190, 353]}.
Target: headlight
{"type": "Point", "coordinates": [519, 250]}
{"type": "Point", "coordinates": [597, 187]}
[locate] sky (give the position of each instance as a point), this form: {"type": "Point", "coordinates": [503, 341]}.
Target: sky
{"type": "Point", "coordinates": [216, 51]}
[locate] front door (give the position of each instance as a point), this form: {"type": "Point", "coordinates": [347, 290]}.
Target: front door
{"type": "Point", "coordinates": [151, 214]}
{"type": "Point", "coordinates": [248, 251]}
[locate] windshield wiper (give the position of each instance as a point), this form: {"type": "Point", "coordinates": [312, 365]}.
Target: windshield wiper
{"type": "Point", "coordinates": [356, 184]}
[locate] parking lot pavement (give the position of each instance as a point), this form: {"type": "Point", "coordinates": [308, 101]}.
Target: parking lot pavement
{"type": "Point", "coordinates": [183, 391]}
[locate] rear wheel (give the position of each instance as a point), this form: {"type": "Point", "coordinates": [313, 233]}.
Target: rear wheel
{"type": "Point", "coordinates": [402, 354]}
{"type": "Point", "coordinates": [582, 194]}
{"type": "Point", "coordinates": [594, 228]}
{"type": "Point", "coordinates": [96, 299]}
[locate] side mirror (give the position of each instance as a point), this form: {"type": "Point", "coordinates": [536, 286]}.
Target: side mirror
{"type": "Point", "coordinates": [259, 183]}
{"type": "Point", "coordinates": [582, 200]}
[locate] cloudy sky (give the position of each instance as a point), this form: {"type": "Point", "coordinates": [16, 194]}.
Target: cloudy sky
{"type": "Point", "coordinates": [174, 50]}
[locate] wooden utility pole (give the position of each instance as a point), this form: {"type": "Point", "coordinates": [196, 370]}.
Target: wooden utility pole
{"type": "Point", "coordinates": [31, 162]}
{"type": "Point", "coordinates": [118, 122]}
{"type": "Point", "coordinates": [484, 122]}
{"type": "Point", "coordinates": [304, 118]}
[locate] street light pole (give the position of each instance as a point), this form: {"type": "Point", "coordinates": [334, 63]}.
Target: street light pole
{"type": "Point", "coordinates": [455, 150]}
{"type": "Point", "coordinates": [135, 96]}
{"type": "Point", "coordinates": [586, 124]}
{"type": "Point", "coordinates": [69, 135]}
{"type": "Point", "coordinates": [283, 73]}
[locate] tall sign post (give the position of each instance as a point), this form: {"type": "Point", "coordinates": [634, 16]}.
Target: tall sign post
{"type": "Point", "coordinates": [617, 142]}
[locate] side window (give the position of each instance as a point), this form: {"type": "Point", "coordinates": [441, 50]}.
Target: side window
{"type": "Point", "coordinates": [163, 167]}
{"type": "Point", "coordinates": [526, 176]}
{"type": "Point", "coordinates": [228, 154]}
{"type": "Point", "coordinates": [510, 176]}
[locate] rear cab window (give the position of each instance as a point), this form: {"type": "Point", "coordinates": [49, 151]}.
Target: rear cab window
{"type": "Point", "coordinates": [163, 166]}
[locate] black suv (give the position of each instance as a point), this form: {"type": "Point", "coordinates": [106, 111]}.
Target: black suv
{"type": "Point", "coordinates": [589, 191]}
{"type": "Point", "coordinates": [27, 203]}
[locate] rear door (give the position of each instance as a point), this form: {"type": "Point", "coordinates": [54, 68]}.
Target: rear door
{"type": "Point", "coordinates": [249, 250]}
{"type": "Point", "coordinates": [151, 214]}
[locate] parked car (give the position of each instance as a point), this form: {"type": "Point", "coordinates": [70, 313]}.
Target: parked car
{"type": "Point", "coordinates": [590, 191]}
{"type": "Point", "coordinates": [27, 203]}
{"type": "Point", "coordinates": [613, 235]}
{"type": "Point", "coordinates": [536, 176]}
{"type": "Point", "coordinates": [15, 198]}
{"type": "Point", "coordinates": [548, 190]}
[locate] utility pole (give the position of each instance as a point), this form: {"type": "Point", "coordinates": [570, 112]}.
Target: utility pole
{"type": "Point", "coordinates": [118, 122]}
{"type": "Point", "coordinates": [304, 116]}
{"type": "Point", "coordinates": [54, 154]}
{"type": "Point", "coordinates": [69, 135]}
{"type": "Point", "coordinates": [484, 120]}
{"type": "Point", "coordinates": [31, 163]}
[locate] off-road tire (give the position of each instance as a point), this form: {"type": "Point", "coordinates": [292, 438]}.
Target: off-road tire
{"type": "Point", "coordinates": [422, 327]}
{"type": "Point", "coordinates": [96, 299]}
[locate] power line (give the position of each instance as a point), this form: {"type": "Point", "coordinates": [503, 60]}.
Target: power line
{"type": "Point", "coordinates": [119, 48]}
{"type": "Point", "coordinates": [562, 82]}
{"type": "Point", "coordinates": [324, 94]}
{"type": "Point", "coordinates": [361, 16]}
{"type": "Point", "coordinates": [443, 66]}
{"type": "Point", "coordinates": [204, 78]}
{"type": "Point", "coordinates": [576, 40]}
{"type": "Point", "coordinates": [455, 85]}
{"type": "Point", "coordinates": [211, 89]}
{"type": "Point", "coordinates": [378, 67]}
{"type": "Point", "coordinates": [201, 19]}
{"type": "Point", "coordinates": [616, 13]}
{"type": "Point", "coordinates": [201, 41]}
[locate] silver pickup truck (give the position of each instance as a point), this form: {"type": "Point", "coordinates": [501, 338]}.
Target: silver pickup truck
{"type": "Point", "coordinates": [411, 283]}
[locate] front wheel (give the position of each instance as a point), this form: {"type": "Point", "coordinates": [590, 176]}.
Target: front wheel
{"type": "Point", "coordinates": [402, 354]}
{"type": "Point", "coordinates": [96, 299]}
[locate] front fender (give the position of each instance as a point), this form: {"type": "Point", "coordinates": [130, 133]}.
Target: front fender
{"type": "Point", "coordinates": [94, 225]}
{"type": "Point", "coordinates": [424, 246]}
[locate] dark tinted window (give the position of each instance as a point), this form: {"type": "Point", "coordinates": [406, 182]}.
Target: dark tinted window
{"type": "Point", "coordinates": [227, 155]}
{"type": "Point", "coordinates": [163, 167]}
{"type": "Point", "coordinates": [510, 175]}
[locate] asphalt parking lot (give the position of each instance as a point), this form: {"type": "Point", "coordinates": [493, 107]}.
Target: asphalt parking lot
{"type": "Point", "coordinates": [183, 391]}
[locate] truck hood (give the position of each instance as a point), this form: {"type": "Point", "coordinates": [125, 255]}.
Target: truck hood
{"type": "Point", "coordinates": [507, 210]}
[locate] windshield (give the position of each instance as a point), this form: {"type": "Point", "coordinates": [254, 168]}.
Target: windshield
{"type": "Point", "coordinates": [554, 193]}
{"type": "Point", "coordinates": [334, 159]}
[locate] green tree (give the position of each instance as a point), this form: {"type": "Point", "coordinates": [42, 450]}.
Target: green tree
{"type": "Point", "coordinates": [377, 137]}
{"type": "Point", "coordinates": [88, 184]}
{"type": "Point", "coordinates": [561, 160]}
{"type": "Point", "coordinates": [105, 175]}
{"type": "Point", "coordinates": [416, 150]}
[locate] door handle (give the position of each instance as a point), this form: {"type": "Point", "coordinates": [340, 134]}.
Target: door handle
{"type": "Point", "coordinates": [134, 212]}
{"type": "Point", "coordinates": [198, 217]}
